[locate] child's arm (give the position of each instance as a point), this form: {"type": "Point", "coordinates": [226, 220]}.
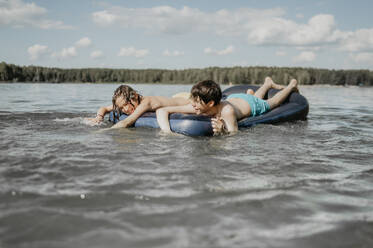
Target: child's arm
{"type": "Point", "coordinates": [227, 123]}
{"type": "Point", "coordinates": [101, 114]}
{"type": "Point", "coordinates": [142, 108]}
{"type": "Point", "coordinates": [163, 113]}
{"type": "Point", "coordinates": [218, 126]}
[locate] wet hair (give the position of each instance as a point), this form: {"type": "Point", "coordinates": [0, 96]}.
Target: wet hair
{"type": "Point", "coordinates": [206, 91]}
{"type": "Point", "coordinates": [128, 95]}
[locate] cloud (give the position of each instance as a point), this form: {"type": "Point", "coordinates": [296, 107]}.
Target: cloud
{"type": "Point", "coordinates": [104, 18]}
{"type": "Point", "coordinates": [65, 53]}
{"type": "Point", "coordinates": [72, 51]}
{"type": "Point", "coordinates": [166, 19]}
{"type": "Point", "coordinates": [36, 51]}
{"type": "Point", "coordinates": [366, 58]}
{"type": "Point", "coordinates": [258, 26]}
{"type": "Point", "coordinates": [131, 51]}
{"type": "Point", "coordinates": [360, 40]}
{"type": "Point", "coordinates": [320, 29]}
{"type": "Point", "coordinates": [306, 56]}
{"type": "Point", "coordinates": [172, 54]}
{"type": "Point", "coordinates": [226, 51]}
{"type": "Point", "coordinates": [97, 54]}
{"type": "Point", "coordinates": [83, 42]}
{"type": "Point", "coordinates": [16, 13]}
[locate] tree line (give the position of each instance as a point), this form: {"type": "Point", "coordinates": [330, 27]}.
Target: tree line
{"type": "Point", "coordinates": [222, 75]}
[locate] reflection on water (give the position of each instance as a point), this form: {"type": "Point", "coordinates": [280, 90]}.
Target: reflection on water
{"type": "Point", "coordinates": [65, 183]}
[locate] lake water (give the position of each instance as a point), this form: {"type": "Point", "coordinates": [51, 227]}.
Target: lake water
{"type": "Point", "coordinates": [65, 184]}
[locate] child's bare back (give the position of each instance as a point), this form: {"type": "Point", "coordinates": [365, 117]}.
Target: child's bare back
{"type": "Point", "coordinates": [128, 101]}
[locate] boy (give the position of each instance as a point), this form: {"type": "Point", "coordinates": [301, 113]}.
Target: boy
{"type": "Point", "coordinates": [126, 100]}
{"type": "Point", "coordinates": [206, 100]}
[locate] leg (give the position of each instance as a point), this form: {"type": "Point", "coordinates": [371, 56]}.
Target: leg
{"type": "Point", "coordinates": [281, 96]}
{"type": "Point", "coordinates": [268, 84]}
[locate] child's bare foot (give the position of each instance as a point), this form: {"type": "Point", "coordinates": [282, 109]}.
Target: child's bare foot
{"type": "Point", "coordinates": [272, 84]}
{"type": "Point", "coordinates": [294, 85]}
{"type": "Point", "coordinates": [250, 92]}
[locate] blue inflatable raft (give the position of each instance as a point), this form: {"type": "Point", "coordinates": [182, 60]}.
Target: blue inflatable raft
{"type": "Point", "coordinates": [293, 109]}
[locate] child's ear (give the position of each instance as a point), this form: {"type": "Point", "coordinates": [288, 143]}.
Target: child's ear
{"type": "Point", "coordinates": [211, 103]}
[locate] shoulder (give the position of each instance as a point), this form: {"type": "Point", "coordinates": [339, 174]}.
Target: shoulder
{"type": "Point", "coordinates": [154, 102]}
{"type": "Point", "coordinates": [227, 111]}
{"type": "Point", "coordinates": [147, 100]}
{"type": "Point", "coordinates": [227, 108]}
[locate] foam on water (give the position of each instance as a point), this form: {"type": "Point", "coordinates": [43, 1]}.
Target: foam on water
{"type": "Point", "coordinates": [79, 120]}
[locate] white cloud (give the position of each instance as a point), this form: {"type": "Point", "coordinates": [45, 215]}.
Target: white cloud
{"type": "Point", "coordinates": [83, 42]}
{"type": "Point", "coordinates": [72, 51]}
{"type": "Point", "coordinates": [319, 29]}
{"type": "Point", "coordinates": [131, 51]}
{"type": "Point", "coordinates": [360, 40]}
{"type": "Point", "coordinates": [166, 19]}
{"type": "Point", "coordinates": [226, 51]}
{"type": "Point", "coordinates": [104, 18]}
{"type": "Point", "coordinates": [258, 26]}
{"type": "Point", "coordinates": [65, 53]}
{"type": "Point", "coordinates": [366, 58]}
{"type": "Point", "coordinates": [16, 13]}
{"type": "Point", "coordinates": [97, 54]}
{"type": "Point", "coordinates": [163, 18]}
{"type": "Point", "coordinates": [306, 56]}
{"type": "Point", "coordinates": [174, 53]}
{"type": "Point", "coordinates": [36, 51]}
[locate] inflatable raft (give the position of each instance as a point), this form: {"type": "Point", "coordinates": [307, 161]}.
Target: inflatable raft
{"type": "Point", "coordinates": [294, 108]}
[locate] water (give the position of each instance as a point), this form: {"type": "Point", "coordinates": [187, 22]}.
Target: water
{"type": "Point", "coordinates": [63, 183]}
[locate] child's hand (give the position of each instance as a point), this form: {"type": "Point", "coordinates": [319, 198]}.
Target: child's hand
{"type": "Point", "coordinates": [217, 125]}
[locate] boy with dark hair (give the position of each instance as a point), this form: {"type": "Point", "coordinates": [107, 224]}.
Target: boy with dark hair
{"type": "Point", "coordinates": [206, 91]}
{"type": "Point", "coordinates": [206, 96]}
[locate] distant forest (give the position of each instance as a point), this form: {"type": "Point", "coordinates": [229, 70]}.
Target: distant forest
{"type": "Point", "coordinates": [222, 75]}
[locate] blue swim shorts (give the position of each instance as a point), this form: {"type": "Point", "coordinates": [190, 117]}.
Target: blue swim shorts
{"type": "Point", "coordinates": [257, 105]}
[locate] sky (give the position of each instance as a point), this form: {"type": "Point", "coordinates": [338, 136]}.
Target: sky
{"type": "Point", "coordinates": [181, 34]}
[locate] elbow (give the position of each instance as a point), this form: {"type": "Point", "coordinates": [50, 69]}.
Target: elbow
{"type": "Point", "coordinates": [103, 109]}
{"type": "Point", "coordinates": [162, 119]}
{"type": "Point", "coordinates": [161, 112]}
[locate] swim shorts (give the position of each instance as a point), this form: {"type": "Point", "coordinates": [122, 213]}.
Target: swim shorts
{"type": "Point", "coordinates": [257, 105]}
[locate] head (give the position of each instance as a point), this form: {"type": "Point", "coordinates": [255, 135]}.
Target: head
{"type": "Point", "coordinates": [125, 100]}
{"type": "Point", "coordinates": [205, 95]}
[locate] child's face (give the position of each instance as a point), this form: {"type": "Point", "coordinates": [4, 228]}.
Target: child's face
{"type": "Point", "coordinates": [125, 106]}
{"type": "Point", "coordinates": [199, 106]}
